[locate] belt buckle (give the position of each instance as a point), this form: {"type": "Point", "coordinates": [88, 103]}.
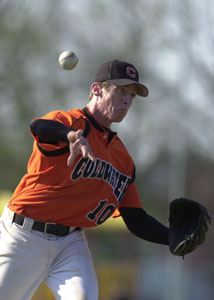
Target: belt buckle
{"type": "Point", "coordinates": [46, 229]}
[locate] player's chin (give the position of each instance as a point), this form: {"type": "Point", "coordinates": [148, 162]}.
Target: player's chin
{"type": "Point", "coordinates": [118, 120]}
{"type": "Point", "coordinates": [119, 116]}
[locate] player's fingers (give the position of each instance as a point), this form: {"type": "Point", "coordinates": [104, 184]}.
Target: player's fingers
{"type": "Point", "coordinates": [91, 156]}
{"type": "Point", "coordinates": [70, 160]}
{"type": "Point", "coordinates": [74, 135]}
{"type": "Point", "coordinates": [86, 152]}
{"type": "Point", "coordinates": [80, 146]}
{"type": "Point", "coordinates": [74, 151]}
{"type": "Point", "coordinates": [73, 138]}
{"type": "Point", "coordinates": [86, 149]}
{"type": "Point", "coordinates": [72, 156]}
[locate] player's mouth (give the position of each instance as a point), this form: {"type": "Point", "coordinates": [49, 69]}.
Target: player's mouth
{"type": "Point", "coordinates": [122, 110]}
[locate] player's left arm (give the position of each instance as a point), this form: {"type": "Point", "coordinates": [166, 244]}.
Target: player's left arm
{"type": "Point", "coordinates": [138, 221]}
{"type": "Point", "coordinates": [144, 226]}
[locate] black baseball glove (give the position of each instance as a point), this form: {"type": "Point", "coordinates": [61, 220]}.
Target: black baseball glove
{"type": "Point", "coordinates": [188, 223]}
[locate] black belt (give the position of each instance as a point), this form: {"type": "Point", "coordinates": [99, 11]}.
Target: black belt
{"type": "Point", "coordinates": [51, 229]}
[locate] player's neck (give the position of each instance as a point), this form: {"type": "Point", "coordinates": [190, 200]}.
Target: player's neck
{"type": "Point", "coordinates": [97, 115]}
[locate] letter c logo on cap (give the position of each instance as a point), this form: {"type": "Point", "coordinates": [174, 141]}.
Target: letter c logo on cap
{"type": "Point", "coordinates": [131, 72]}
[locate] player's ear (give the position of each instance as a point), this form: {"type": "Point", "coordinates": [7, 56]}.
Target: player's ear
{"type": "Point", "coordinates": [96, 89]}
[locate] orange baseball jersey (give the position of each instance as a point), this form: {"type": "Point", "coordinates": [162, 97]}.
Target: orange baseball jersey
{"type": "Point", "coordinates": [87, 193]}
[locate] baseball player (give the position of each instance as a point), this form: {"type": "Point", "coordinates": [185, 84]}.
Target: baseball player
{"type": "Point", "coordinates": [79, 174]}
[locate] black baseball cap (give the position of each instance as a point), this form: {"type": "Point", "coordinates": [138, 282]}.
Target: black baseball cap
{"type": "Point", "coordinates": [121, 73]}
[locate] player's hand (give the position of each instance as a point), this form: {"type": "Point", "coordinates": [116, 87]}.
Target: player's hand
{"type": "Point", "coordinates": [78, 145]}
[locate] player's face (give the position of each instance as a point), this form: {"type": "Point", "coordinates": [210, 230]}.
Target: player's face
{"type": "Point", "coordinates": [116, 101]}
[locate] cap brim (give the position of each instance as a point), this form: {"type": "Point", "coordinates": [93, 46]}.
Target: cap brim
{"type": "Point", "coordinates": [141, 90]}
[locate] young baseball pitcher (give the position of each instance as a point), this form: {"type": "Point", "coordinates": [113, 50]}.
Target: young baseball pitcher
{"type": "Point", "coordinates": [79, 174]}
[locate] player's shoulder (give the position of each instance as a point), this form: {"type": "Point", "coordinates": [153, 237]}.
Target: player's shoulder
{"type": "Point", "coordinates": [61, 113]}
{"type": "Point", "coordinates": [65, 117]}
{"type": "Point", "coordinates": [76, 113]}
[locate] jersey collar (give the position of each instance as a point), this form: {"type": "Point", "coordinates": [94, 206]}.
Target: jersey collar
{"type": "Point", "coordinates": [89, 116]}
{"type": "Point", "coordinates": [94, 122]}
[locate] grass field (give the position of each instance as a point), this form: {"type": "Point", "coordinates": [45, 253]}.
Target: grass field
{"type": "Point", "coordinates": [4, 198]}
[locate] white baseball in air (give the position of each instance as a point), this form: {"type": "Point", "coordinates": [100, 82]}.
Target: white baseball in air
{"type": "Point", "coordinates": [68, 60]}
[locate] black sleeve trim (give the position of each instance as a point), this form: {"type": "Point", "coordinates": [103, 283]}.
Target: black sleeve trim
{"type": "Point", "coordinates": [144, 226]}
{"type": "Point", "coordinates": [133, 176]}
{"type": "Point", "coordinates": [57, 152]}
{"type": "Point", "coordinates": [87, 129]}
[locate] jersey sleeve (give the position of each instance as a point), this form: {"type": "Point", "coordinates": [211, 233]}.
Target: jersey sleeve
{"type": "Point", "coordinates": [74, 122]}
{"type": "Point", "coordinates": [130, 199]}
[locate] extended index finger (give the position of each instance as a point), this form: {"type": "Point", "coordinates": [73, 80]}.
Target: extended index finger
{"type": "Point", "coordinates": [86, 152]}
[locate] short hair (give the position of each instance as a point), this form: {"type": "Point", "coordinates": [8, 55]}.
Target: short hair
{"type": "Point", "coordinates": [104, 84]}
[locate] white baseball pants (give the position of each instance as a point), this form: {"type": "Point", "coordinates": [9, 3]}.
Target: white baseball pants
{"type": "Point", "coordinates": [28, 258]}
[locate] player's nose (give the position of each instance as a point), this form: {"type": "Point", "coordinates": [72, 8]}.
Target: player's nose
{"type": "Point", "coordinates": [127, 101]}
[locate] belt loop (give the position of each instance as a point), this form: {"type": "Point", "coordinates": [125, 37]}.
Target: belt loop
{"type": "Point", "coordinates": [28, 223]}
{"type": "Point", "coordinates": [8, 214]}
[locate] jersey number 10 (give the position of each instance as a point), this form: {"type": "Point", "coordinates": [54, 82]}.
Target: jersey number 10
{"type": "Point", "coordinates": [102, 212]}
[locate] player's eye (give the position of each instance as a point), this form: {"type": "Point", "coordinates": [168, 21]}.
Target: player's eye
{"type": "Point", "coordinates": [124, 91]}
{"type": "Point", "coordinates": [130, 91]}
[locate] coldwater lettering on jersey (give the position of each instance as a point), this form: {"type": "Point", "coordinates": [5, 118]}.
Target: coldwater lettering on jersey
{"type": "Point", "coordinates": [100, 169]}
